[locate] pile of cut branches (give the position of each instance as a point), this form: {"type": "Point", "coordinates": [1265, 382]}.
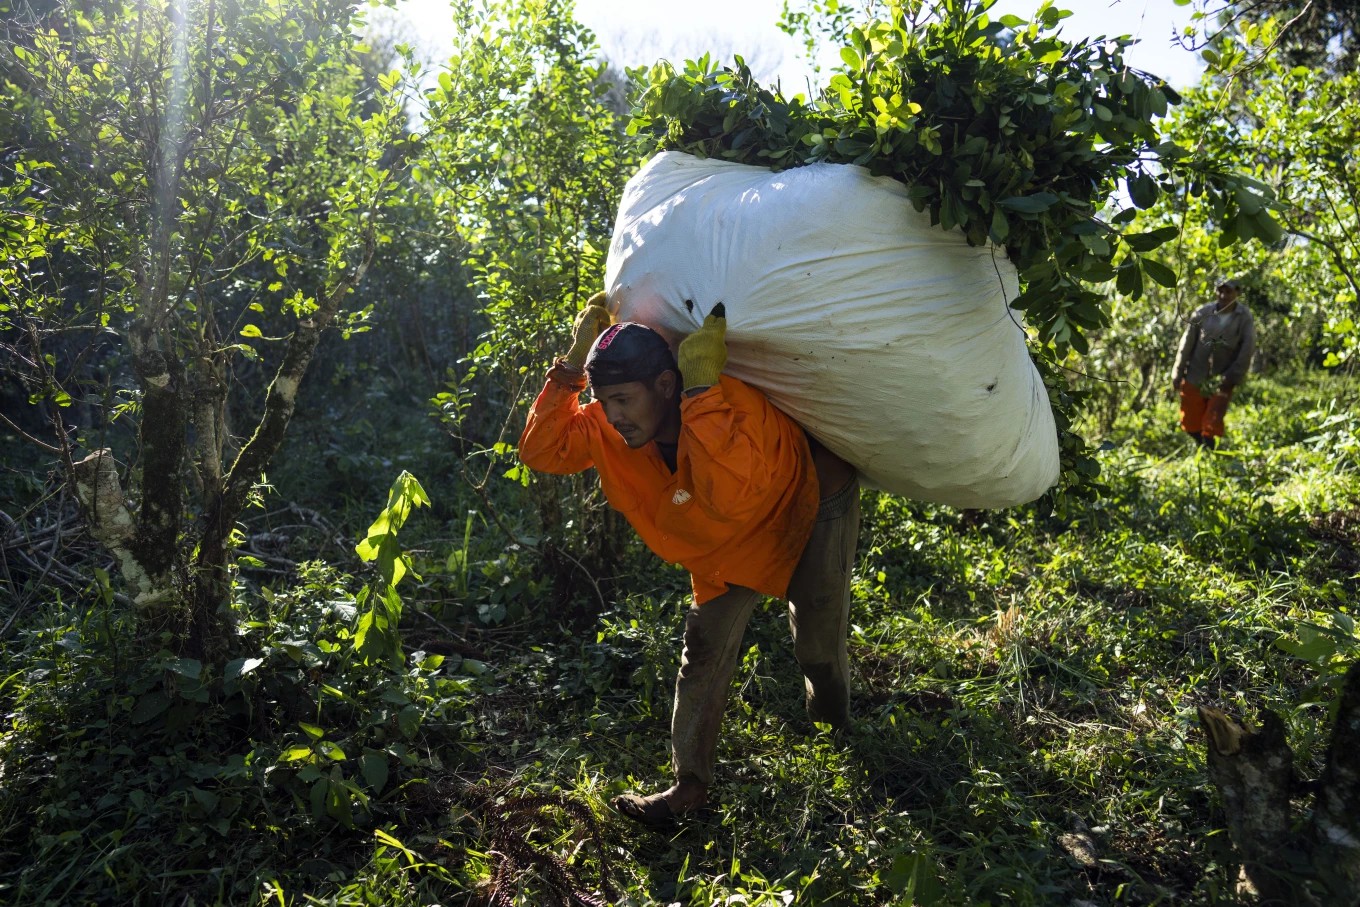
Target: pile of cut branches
{"type": "Point", "coordinates": [1000, 128]}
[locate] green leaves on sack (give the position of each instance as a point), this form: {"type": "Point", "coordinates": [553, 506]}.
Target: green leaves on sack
{"type": "Point", "coordinates": [1000, 128]}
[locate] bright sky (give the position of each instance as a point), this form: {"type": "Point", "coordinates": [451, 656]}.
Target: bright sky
{"type": "Point", "coordinates": [634, 32]}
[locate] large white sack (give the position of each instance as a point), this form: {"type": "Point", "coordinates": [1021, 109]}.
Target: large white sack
{"type": "Point", "coordinates": [890, 340]}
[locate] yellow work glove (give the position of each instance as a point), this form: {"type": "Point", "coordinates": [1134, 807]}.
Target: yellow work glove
{"type": "Point", "coordinates": [703, 354]}
{"type": "Point", "coordinates": [590, 323]}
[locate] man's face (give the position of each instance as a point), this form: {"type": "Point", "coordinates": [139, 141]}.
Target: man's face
{"type": "Point", "coordinates": [642, 411]}
{"type": "Point", "coordinates": [1227, 296]}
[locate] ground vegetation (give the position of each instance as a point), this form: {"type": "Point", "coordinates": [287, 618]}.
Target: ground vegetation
{"type": "Point", "coordinates": [286, 291]}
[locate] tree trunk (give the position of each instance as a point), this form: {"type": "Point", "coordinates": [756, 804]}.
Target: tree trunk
{"type": "Point", "coordinates": [212, 573]}
{"type": "Point", "coordinates": [146, 544]}
{"type": "Point", "coordinates": [1253, 771]}
{"type": "Point", "coordinates": [1336, 815]}
{"type": "Point", "coordinates": [163, 434]}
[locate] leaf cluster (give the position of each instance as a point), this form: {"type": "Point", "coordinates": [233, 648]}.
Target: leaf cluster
{"type": "Point", "coordinates": [376, 637]}
{"type": "Point", "coordinates": [215, 780]}
{"type": "Point", "coordinates": [1293, 128]}
{"type": "Point", "coordinates": [177, 173]}
{"type": "Point", "coordinates": [999, 127]}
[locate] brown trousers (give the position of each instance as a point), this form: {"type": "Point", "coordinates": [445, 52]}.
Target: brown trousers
{"type": "Point", "coordinates": [819, 610]}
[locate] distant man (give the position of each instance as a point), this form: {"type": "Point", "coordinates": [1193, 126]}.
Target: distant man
{"type": "Point", "coordinates": [1212, 362]}
{"type": "Point", "coordinates": [715, 478]}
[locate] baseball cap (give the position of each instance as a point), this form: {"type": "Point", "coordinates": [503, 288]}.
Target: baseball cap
{"type": "Point", "coordinates": [1231, 283]}
{"type": "Point", "coordinates": [626, 352]}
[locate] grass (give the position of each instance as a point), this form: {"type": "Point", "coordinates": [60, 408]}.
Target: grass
{"type": "Point", "coordinates": [1026, 731]}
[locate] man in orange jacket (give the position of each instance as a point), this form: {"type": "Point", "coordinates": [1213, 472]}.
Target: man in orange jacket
{"type": "Point", "coordinates": [715, 478]}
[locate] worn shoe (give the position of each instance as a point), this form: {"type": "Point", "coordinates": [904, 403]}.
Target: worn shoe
{"type": "Point", "coordinates": [681, 799]}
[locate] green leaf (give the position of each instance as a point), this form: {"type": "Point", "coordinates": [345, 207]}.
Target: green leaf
{"type": "Point", "coordinates": [408, 720]}
{"type": "Point", "coordinates": [363, 632]}
{"type": "Point", "coordinates": [1097, 244]}
{"type": "Point", "coordinates": [1143, 190]}
{"type": "Point", "coordinates": [1129, 280]}
{"type": "Point", "coordinates": [915, 875]}
{"type": "Point", "coordinates": [1000, 227]}
{"type": "Point", "coordinates": [149, 705]}
{"type": "Point", "coordinates": [317, 797]}
{"type": "Point", "coordinates": [239, 667]}
{"type": "Point", "coordinates": [1030, 204]}
{"type": "Point", "coordinates": [1159, 272]}
{"type": "Point", "coordinates": [1267, 227]}
{"type": "Point", "coordinates": [1146, 242]}
{"type": "Point", "coordinates": [375, 769]}
{"type": "Point", "coordinates": [190, 668]}
{"type": "Point", "coordinates": [1314, 648]}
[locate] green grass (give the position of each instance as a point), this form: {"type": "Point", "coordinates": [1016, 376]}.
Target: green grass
{"type": "Point", "coordinates": [1025, 734]}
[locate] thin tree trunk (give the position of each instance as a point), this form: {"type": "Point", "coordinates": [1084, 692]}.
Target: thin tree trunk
{"type": "Point", "coordinates": [212, 576]}
{"type": "Point", "coordinates": [1336, 815]}
{"type": "Point", "coordinates": [147, 545]}
{"type": "Point", "coordinates": [163, 435]}
{"type": "Point", "coordinates": [1253, 770]}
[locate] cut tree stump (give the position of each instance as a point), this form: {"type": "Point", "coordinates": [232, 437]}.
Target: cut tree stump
{"type": "Point", "coordinates": [1316, 862]}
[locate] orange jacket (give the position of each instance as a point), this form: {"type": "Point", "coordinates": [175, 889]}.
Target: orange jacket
{"type": "Point", "coordinates": [740, 505]}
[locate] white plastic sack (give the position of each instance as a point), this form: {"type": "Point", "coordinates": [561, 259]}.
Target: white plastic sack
{"type": "Point", "coordinates": [890, 340]}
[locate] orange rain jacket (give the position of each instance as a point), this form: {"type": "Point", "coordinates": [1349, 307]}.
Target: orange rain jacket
{"type": "Point", "coordinates": [739, 507]}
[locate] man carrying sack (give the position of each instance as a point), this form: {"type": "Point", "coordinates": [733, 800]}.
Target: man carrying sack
{"type": "Point", "coordinates": [713, 477]}
{"type": "Point", "coordinates": [1219, 341]}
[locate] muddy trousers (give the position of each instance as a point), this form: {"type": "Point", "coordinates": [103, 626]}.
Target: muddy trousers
{"type": "Point", "coordinates": [819, 609]}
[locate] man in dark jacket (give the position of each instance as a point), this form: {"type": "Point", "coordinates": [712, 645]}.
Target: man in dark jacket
{"type": "Point", "coordinates": [1216, 349]}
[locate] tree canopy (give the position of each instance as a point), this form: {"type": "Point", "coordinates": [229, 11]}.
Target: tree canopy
{"type": "Point", "coordinates": [284, 620]}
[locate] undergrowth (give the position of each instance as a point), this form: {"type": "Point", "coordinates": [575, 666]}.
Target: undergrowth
{"type": "Point", "coordinates": [1025, 698]}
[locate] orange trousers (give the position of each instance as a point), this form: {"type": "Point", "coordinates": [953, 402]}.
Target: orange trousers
{"type": "Point", "coordinates": [1200, 415]}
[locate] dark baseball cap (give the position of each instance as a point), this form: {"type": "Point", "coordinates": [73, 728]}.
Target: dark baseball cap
{"type": "Point", "coordinates": [626, 352]}
{"type": "Point", "coordinates": [1231, 283]}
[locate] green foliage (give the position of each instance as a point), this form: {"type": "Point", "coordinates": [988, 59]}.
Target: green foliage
{"type": "Point", "coordinates": [270, 776]}
{"type": "Point", "coordinates": [1025, 683]}
{"type": "Point", "coordinates": [1000, 128]}
{"type": "Point", "coordinates": [1025, 688]}
{"type": "Point", "coordinates": [194, 193]}
{"type": "Point", "coordinates": [1291, 127]}
{"type": "Point", "coordinates": [544, 175]}
{"type": "Point", "coordinates": [1286, 126]}
{"type": "Point", "coordinates": [1332, 647]}
{"type": "Point", "coordinates": [548, 169]}
{"type": "Point", "coordinates": [376, 637]}
{"type": "Point", "coordinates": [261, 118]}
